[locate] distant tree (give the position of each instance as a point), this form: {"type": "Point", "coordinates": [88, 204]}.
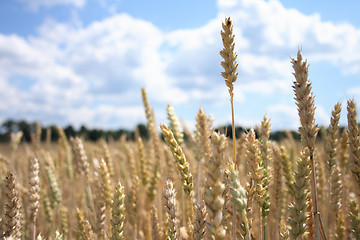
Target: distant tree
{"type": "Point", "coordinates": [96, 134]}
{"type": "Point", "coordinates": [83, 132]}
{"type": "Point", "coordinates": [278, 135]}
{"type": "Point", "coordinates": [69, 131]}
{"type": "Point", "coordinates": [227, 130]}
{"type": "Point", "coordinates": [143, 131]}
{"type": "Point", "coordinates": [54, 133]}
{"type": "Point", "coordinates": [26, 128]}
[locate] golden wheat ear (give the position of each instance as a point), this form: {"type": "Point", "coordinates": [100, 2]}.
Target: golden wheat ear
{"type": "Point", "coordinates": [354, 140]}
{"type": "Point", "coordinates": [34, 193]}
{"type": "Point", "coordinates": [239, 198]}
{"type": "Point", "coordinates": [230, 66]}
{"type": "Point", "coordinates": [10, 223]}
{"type": "Point", "coordinates": [298, 215]}
{"type": "Point", "coordinates": [118, 214]}
{"type": "Point", "coordinates": [306, 109]}
{"type": "Point", "coordinates": [182, 163]}
{"type": "Point", "coordinates": [214, 189]}
{"type": "Point", "coordinates": [354, 218]}
{"type": "Point", "coordinates": [199, 221]}
{"type": "Point", "coordinates": [171, 210]}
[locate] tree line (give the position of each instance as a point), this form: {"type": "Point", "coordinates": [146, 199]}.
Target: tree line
{"type": "Point", "coordinates": [94, 134]}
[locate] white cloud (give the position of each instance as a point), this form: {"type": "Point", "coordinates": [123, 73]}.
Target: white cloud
{"type": "Point", "coordinates": [276, 30]}
{"type": "Point", "coordinates": [283, 114]}
{"type": "Point", "coordinates": [34, 5]}
{"type": "Point", "coordinates": [69, 73]}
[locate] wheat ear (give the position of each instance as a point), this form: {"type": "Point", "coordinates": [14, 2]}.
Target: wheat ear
{"type": "Point", "coordinates": [298, 216]}
{"type": "Point", "coordinates": [183, 165]}
{"type": "Point", "coordinates": [214, 189]}
{"type": "Point", "coordinates": [230, 66]}
{"type": "Point", "coordinates": [80, 157]}
{"type": "Point", "coordinates": [54, 186]}
{"type": "Point", "coordinates": [34, 192]}
{"type": "Point", "coordinates": [256, 169]}
{"type": "Point", "coordinates": [65, 146]}
{"type": "Point", "coordinates": [64, 222]}
{"type": "Point", "coordinates": [199, 221]}
{"type": "Point", "coordinates": [354, 141]}
{"type": "Point", "coordinates": [85, 230]}
{"type": "Point", "coordinates": [106, 183]}
{"type": "Point", "coordinates": [264, 134]}
{"type": "Point", "coordinates": [306, 108]}
{"type": "Point", "coordinates": [203, 134]}
{"type": "Point", "coordinates": [156, 231]}
{"type": "Point", "coordinates": [278, 193]}
{"type": "Point", "coordinates": [58, 236]}
{"type": "Point", "coordinates": [239, 199]}
{"type": "Point", "coordinates": [100, 206]}
{"type": "Point", "coordinates": [144, 164]}
{"type": "Point", "coordinates": [335, 198]}
{"type": "Point", "coordinates": [175, 124]}
{"type": "Point", "coordinates": [170, 205]}
{"type": "Point", "coordinates": [151, 124]}
{"type": "Point", "coordinates": [203, 153]}
{"type": "Point", "coordinates": [284, 231]}
{"type": "Point", "coordinates": [354, 219]}
{"type": "Point", "coordinates": [343, 153]}
{"type": "Point", "coordinates": [118, 213]}
{"type": "Point", "coordinates": [331, 144]}
{"type": "Point", "coordinates": [10, 221]}
{"type": "Point", "coordinates": [108, 159]}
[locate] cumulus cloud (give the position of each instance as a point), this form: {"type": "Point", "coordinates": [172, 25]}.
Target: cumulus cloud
{"type": "Point", "coordinates": [277, 31]}
{"type": "Point", "coordinates": [93, 74]}
{"type": "Point", "coordinates": [283, 114]}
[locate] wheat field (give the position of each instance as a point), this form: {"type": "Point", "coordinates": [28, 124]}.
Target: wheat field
{"type": "Point", "coordinates": [202, 186]}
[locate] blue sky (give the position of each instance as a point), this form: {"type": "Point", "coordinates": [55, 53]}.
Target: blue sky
{"type": "Point", "coordinates": [85, 61]}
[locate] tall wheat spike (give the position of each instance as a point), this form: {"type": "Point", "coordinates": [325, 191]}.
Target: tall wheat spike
{"type": "Point", "coordinates": [230, 66]}
{"type": "Point", "coordinates": [306, 108]}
